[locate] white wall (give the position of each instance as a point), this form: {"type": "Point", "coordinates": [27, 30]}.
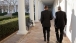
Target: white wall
{"type": "Point", "coordinates": [55, 7]}
{"type": "Point", "coordinates": [73, 23]}
{"type": "Point", "coordinates": [69, 13]}
{"type": "Point", "coordinates": [73, 27]}
{"type": "Point", "coordinates": [68, 10]}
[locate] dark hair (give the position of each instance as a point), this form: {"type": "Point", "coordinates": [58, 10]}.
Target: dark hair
{"type": "Point", "coordinates": [59, 8]}
{"type": "Point", "coordinates": [46, 7]}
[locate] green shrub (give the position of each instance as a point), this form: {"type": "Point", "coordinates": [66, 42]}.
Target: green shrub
{"type": "Point", "coordinates": [27, 13]}
{"type": "Point", "coordinates": [7, 27]}
{"type": "Point", "coordinates": [2, 14]}
{"type": "Point", "coordinates": [16, 13]}
{"type": "Point", "coordinates": [5, 13]}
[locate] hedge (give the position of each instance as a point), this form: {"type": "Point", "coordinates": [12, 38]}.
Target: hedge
{"type": "Point", "coordinates": [27, 13]}
{"type": "Point", "coordinates": [7, 27]}
{"type": "Point", "coordinates": [16, 14]}
{"type": "Point", "coordinates": [2, 14]}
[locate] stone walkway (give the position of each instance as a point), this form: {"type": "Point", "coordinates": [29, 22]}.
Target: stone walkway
{"type": "Point", "coordinates": [35, 35]}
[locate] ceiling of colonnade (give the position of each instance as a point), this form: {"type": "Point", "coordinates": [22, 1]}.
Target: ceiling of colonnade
{"type": "Point", "coordinates": [48, 2]}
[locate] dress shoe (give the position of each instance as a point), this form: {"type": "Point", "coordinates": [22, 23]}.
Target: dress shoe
{"type": "Point", "coordinates": [48, 42]}
{"type": "Point", "coordinates": [57, 41]}
{"type": "Point", "coordinates": [44, 39]}
{"type": "Point", "coordinates": [60, 42]}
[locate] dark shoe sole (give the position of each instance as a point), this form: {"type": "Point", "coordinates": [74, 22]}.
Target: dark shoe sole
{"type": "Point", "coordinates": [44, 40]}
{"type": "Point", "coordinates": [48, 42]}
{"type": "Point", "coordinates": [57, 42]}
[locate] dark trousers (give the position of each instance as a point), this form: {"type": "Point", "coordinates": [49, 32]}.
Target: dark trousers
{"type": "Point", "coordinates": [46, 30]}
{"type": "Point", "coordinates": [61, 33]}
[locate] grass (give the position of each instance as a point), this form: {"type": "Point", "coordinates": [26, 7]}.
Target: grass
{"type": "Point", "coordinates": [3, 17]}
{"type": "Point", "coordinates": [7, 21]}
{"type": "Point", "coordinates": [6, 18]}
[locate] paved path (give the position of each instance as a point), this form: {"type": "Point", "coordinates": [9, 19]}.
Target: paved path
{"type": "Point", "coordinates": [35, 35]}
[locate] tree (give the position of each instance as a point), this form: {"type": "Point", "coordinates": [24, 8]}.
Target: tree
{"type": "Point", "coordinates": [27, 5]}
{"type": "Point", "coordinates": [3, 6]}
{"type": "Point", "coordinates": [10, 6]}
{"type": "Point", "coordinates": [14, 5]}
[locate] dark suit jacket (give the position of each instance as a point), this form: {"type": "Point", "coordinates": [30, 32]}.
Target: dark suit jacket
{"type": "Point", "coordinates": [46, 16]}
{"type": "Point", "coordinates": [61, 19]}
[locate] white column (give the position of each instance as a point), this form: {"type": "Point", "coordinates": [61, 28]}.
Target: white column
{"type": "Point", "coordinates": [58, 2]}
{"type": "Point", "coordinates": [31, 10]}
{"type": "Point", "coordinates": [5, 10]}
{"type": "Point", "coordinates": [14, 8]}
{"type": "Point", "coordinates": [36, 10]}
{"type": "Point", "coordinates": [2, 10]}
{"type": "Point", "coordinates": [21, 17]}
{"type": "Point", "coordinates": [8, 8]}
{"type": "Point", "coordinates": [40, 9]}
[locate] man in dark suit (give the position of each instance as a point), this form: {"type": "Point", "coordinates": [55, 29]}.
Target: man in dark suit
{"type": "Point", "coordinates": [60, 23]}
{"type": "Point", "coordinates": [46, 16]}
